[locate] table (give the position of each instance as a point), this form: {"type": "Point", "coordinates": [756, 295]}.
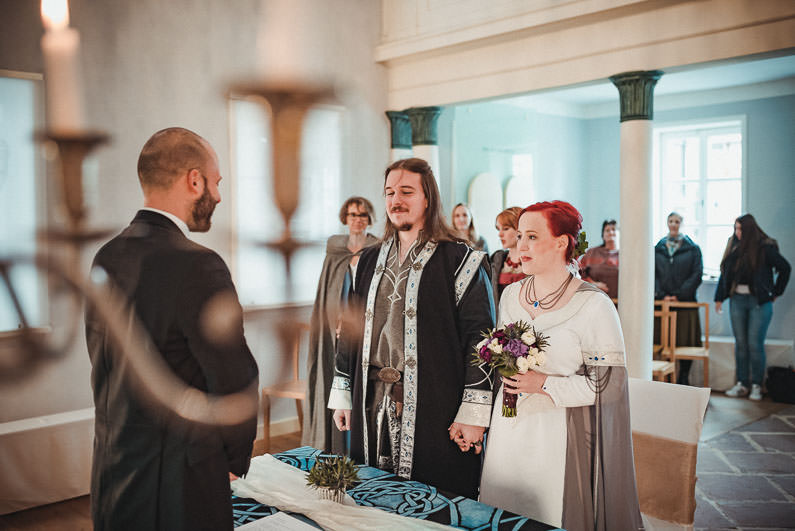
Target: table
{"type": "Point", "coordinates": [384, 490]}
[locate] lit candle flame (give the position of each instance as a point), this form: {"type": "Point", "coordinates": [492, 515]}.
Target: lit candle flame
{"type": "Point", "coordinates": [55, 14]}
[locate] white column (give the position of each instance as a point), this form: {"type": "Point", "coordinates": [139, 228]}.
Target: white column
{"type": "Point", "coordinates": [636, 251]}
{"type": "Point", "coordinates": [430, 153]}
{"type": "Point", "coordinates": [424, 138]}
{"type": "Point", "coordinates": [636, 256]}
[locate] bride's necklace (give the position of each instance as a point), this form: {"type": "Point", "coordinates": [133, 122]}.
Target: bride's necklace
{"type": "Point", "coordinates": [551, 299]}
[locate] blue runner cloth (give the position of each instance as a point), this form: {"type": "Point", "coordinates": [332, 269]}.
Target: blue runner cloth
{"type": "Point", "coordinates": [386, 491]}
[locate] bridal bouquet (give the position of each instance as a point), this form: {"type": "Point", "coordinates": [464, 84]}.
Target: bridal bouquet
{"type": "Point", "coordinates": [513, 348]}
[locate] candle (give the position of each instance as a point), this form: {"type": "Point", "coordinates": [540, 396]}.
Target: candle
{"type": "Point", "coordinates": [293, 41]}
{"type": "Point", "coordinates": [60, 47]}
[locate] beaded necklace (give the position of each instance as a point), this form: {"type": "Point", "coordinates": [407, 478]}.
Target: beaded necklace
{"type": "Point", "coordinates": [551, 299]}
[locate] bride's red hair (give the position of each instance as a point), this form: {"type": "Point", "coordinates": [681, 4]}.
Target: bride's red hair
{"type": "Point", "coordinates": [562, 218]}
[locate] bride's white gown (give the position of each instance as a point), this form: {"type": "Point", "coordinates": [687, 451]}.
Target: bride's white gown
{"type": "Point", "coordinates": [526, 455]}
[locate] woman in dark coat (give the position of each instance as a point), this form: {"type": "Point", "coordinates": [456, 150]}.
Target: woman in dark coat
{"type": "Point", "coordinates": [677, 276]}
{"type": "Point", "coordinates": [746, 278]}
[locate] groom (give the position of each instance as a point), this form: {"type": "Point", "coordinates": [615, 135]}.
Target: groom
{"type": "Point", "coordinates": [403, 371]}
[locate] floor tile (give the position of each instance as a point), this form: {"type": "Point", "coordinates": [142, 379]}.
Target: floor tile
{"type": "Point", "coordinates": [727, 487]}
{"type": "Point", "coordinates": [787, 483]}
{"type": "Point", "coordinates": [762, 463]}
{"type": "Point", "coordinates": [709, 517]}
{"type": "Point", "coordinates": [731, 442]}
{"type": "Point", "coordinates": [710, 461]}
{"type": "Point", "coordinates": [778, 442]}
{"type": "Point", "coordinates": [761, 514]}
{"type": "Point", "coordinates": [767, 425]}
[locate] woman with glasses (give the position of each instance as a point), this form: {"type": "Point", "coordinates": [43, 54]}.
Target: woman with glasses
{"type": "Point", "coordinates": [336, 281]}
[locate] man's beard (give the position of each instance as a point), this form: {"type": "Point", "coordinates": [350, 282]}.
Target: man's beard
{"type": "Point", "coordinates": [405, 227]}
{"type": "Point", "coordinates": [202, 211]}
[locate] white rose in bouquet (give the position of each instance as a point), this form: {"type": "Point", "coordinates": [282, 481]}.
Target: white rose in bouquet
{"type": "Point", "coordinates": [524, 364]}
{"type": "Point", "coordinates": [495, 346]}
{"type": "Point", "coordinates": [528, 338]}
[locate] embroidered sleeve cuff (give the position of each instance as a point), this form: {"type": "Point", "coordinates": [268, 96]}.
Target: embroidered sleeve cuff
{"type": "Point", "coordinates": [340, 396]}
{"type": "Point", "coordinates": [475, 408]}
{"type": "Point", "coordinates": [339, 399]}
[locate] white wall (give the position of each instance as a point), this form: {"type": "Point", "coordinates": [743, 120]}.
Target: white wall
{"type": "Point", "coordinates": [150, 64]}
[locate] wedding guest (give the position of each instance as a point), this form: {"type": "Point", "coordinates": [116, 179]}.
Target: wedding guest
{"type": "Point", "coordinates": [599, 265]}
{"type": "Point", "coordinates": [403, 371]}
{"type": "Point", "coordinates": [574, 408]}
{"type": "Point", "coordinates": [336, 281]}
{"type": "Point", "coordinates": [464, 226]}
{"type": "Point", "coordinates": [506, 268]}
{"type": "Point", "coordinates": [677, 276]}
{"type": "Point", "coordinates": [749, 266]}
{"type": "Point", "coordinates": [154, 468]}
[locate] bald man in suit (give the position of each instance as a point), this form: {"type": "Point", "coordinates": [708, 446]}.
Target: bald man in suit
{"type": "Point", "coordinates": [154, 468]}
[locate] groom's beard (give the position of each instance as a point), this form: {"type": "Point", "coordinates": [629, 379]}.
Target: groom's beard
{"type": "Point", "coordinates": [405, 227]}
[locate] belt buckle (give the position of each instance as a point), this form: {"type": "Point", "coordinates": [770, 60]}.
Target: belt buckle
{"type": "Point", "coordinates": [389, 375]}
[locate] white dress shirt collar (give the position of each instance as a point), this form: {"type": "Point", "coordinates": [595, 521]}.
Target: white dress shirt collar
{"type": "Point", "coordinates": [177, 221]}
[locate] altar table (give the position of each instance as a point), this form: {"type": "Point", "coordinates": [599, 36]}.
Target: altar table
{"type": "Point", "coordinates": [412, 499]}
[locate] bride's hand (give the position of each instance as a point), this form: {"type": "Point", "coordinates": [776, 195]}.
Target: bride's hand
{"type": "Point", "coordinates": [529, 382]}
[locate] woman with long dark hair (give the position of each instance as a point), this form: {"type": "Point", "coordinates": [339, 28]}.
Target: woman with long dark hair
{"type": "Point", "coordinates": [747, 280]}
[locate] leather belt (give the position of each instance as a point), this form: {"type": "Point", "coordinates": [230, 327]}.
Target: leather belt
{"type": "Point", "coordinates": [388, 375]}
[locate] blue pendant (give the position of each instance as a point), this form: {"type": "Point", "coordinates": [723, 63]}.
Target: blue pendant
{"type": "Point", "coordinates": [535, 304]}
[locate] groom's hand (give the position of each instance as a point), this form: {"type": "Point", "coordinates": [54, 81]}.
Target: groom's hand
{"type": "Point", "coordinates": [342, 418]}
{"type": "Point", "coordinates": [467, 436]}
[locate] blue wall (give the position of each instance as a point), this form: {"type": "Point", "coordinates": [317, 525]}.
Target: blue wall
{"type": "Point", "coordinates": [578, 160]}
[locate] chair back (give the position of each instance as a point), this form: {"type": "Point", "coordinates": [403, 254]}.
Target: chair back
{"type": "Point", "coordinates": [667, 333]}
{"type": "Point", "coordinates": [666, 422]}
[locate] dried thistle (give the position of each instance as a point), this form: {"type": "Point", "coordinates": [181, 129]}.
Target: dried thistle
{"type": "Point", "coordinates": [336, 472]}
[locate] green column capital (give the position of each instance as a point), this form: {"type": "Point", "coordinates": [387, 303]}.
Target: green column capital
{"type": "Point", "coordinates": [401, 129]}
{"type": "Point", "coordinates": [636, 93]}
{"type": "Point", "coordinates": [423, 125]}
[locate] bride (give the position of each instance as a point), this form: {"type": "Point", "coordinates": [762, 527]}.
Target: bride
{"type": "Point", "coordinates": [566, 458]}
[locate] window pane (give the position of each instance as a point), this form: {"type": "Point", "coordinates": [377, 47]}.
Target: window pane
{"type": "Point", "coordinates": [723, 202]}
{"type": "Point", "coordinates": [712, 249]}
{"type": "Point", "coordinates": [261, 274]}
{"type": "Point", "coordinates": [683, 197]}
{"type": "Point", "coordinates": [724, 156]}
{"type": "Point", "coordinates": [18, 198]}
{"type": "Point", "coordinates": [692, 158]}
{"type": "Point", "coordinates": [673, 156]}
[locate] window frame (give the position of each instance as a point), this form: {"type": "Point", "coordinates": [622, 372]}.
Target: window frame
{"type": "Point", "coordinates": [703, 126]}
{"type": "Point", "coordinates": [41, 315]}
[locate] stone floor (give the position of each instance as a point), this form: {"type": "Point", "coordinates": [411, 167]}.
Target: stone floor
{"type": "Point", "coordinates": [746, 465]}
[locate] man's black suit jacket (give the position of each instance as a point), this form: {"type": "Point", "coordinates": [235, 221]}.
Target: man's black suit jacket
{"type": "Point", "coordinates": [152, 469]}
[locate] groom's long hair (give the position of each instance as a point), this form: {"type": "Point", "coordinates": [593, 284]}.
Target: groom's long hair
{"type": "Point", "coordinates": [435, 228]}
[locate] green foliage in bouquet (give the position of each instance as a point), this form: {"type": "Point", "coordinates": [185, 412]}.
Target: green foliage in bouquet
{"type": "Point", "coordinates": [336, 472]}
{"type": "Point", "coordinates": [582, 245]}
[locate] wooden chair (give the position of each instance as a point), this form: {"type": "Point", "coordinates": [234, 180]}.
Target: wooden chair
{"type": "Point", "coordinates": [692, 353]}
{"type": "Point", "coordinates": [665, 367]}
{"type": "Point", "coordinates": [295, 389]}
